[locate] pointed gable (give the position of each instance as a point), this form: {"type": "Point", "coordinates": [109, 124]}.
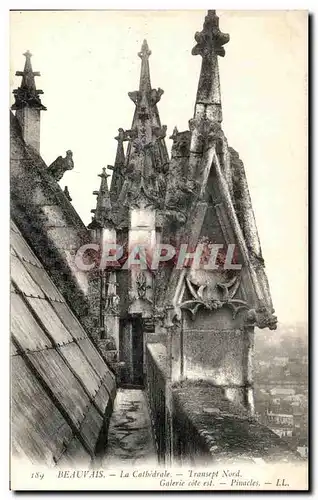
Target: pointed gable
{"type": "Point", "coordinates": [208, 199]}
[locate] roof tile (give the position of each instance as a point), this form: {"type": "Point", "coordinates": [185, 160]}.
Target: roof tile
{"type": "Point", "coordinates": [23, 280]}
{"type": "Point", "coordinates": [62, 382]}
{"type": "Point", "coordinates": [50, 320]}
{"type": "Point", "coordinates": [39, 430]}
{"type": "Point", "coordinates": [24, 327]}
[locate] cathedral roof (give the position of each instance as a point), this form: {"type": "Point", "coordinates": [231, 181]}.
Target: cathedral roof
{"type": "Point", "coordinates": [60, 383]}
{"type": "Point", "coordinates": [47, 219]}
{"type": "Point", "coordinates": [51, 324]}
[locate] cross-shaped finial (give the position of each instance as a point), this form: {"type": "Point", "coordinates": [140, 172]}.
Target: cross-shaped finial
{"type": "Point", "coordinates": [104, 174]}
{"type": "Point", "coordinates": [121, 135]}
{"type": "Point", "coordinates": [27, 94]}
{"type": "Point", "coordinates": [210, 39]}
{"type": "Point", "coordinates": [145, 52]}
{"type": "Point", "coordinates": [27, 54]}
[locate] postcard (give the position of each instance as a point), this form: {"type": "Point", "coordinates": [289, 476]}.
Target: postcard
{"type": "Point", "coordinates": [158, 191]}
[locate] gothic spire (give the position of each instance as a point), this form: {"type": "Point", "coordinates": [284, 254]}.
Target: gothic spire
{"type": "Point", "coordinates": [144, 55]}
{"type": "Point", "coordinates": [147, 157]}
{"type": "Point", "coordinates": [146, 98]}
{"type": "Point", "coordinates": [209, 46]}
{"type": "Point", "coordinates": [118, 168]}
{"type": "Point", "coordinates": [27, 94]}
{"type": "Point", "coordinates": [103, 204]}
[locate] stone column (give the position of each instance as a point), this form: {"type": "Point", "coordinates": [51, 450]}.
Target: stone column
{"type": "Point", "coordinates": [142, 235]}
{"type": "Point", "coordinates": [29, 119]}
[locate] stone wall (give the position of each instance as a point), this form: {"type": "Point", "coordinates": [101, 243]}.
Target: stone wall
{"type": "Point", "coordinates": [156, 387]}
{"type": "Point", "coordinates": [206, 425]}
{"type": "Point", "coordinates": [218, 349]}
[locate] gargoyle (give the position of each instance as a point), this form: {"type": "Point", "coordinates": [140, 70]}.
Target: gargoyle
{"type": "Point", "coordinates": [262, 318]}
{"type": "Point", "coordinates": [61, 165]}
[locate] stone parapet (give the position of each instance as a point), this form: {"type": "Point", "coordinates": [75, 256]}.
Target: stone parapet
{"type": "Point", "coordinates": [207, 426]}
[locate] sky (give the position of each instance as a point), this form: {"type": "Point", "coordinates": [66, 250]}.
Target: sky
{"type": "Point", "coordinates": [88, 63]}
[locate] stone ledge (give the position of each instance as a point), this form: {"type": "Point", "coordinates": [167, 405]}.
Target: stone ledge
{"type": "Point", "coordinates": [224, 429]}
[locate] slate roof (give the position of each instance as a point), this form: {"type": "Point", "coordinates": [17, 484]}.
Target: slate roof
{"type": "Point", "coordinates": [62, 390]}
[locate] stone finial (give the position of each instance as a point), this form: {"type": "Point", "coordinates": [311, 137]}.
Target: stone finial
{"type": "Point", "coordinates": [174, 134]}
{"type": "Point", "coordinates": [210, 39]}
{"type": "Point", "coordinates": [139, 174]}
{"type": "Point", "coordinates": [27, 94]}
{"type": "Point", "coordinates": [118, 176]}
{"type": "Point", "coordinates": [209, 45]}
{"type": "Point", "coordinates": [121, 135]}
{"type": "Point", "coordinates": [156, 95]}
{"type": "Point", "coordinates": [144, 83]}
{"type": "Point", "coordinates": [103, 203]}
{"type": "Point", "coordinates": [144, 53]}
{"type": "Point", "coordinates": [104, 174]}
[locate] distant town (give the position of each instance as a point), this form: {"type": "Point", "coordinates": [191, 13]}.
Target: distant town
{"type": "Point", "coordinates": [281, 383]}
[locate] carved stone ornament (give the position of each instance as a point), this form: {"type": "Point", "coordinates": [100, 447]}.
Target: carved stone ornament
{"type": "Point", "coordinates": [140, 192]}
{"type": "Point", "coordinates": [67, 193]}
{"type": "Point", "coordinates": [262, 318]}
{"type": "Point", "coordinates": [155, 95]}
{"type": "Point", "coordinates": [142, 287]}
{"type": "Point", "coordinates": [61, 165]}
{"type": "Point", "coordinates": [159, 132]}
{"type": "Point", "coordinates": [141, 147]}
{"type": "Point", "coordinates": [135, 96]}
{"type": "Point", "coordinates": [207, 129]}
{"type": "Point", "coordinates": [214, 297]}
{"type": "Point", "coordinates": [159, 314]}
{"type": "Point", "coordinates": [112, 304]}
{"type": "Point", "coordinates": [132, 296]}
{"type": "Point", "coordinates": [179, 198]}
{"type": "Point", "coordinates": [148, 325]}
{"type": "Point", "coordinates": [172, 317]}
{"type": "Point", "coordinates": [126, 135]}
{"type": "Point", "coordinates": [181, 143]}
{"type": "Point", "coordinates": [210, 39]}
